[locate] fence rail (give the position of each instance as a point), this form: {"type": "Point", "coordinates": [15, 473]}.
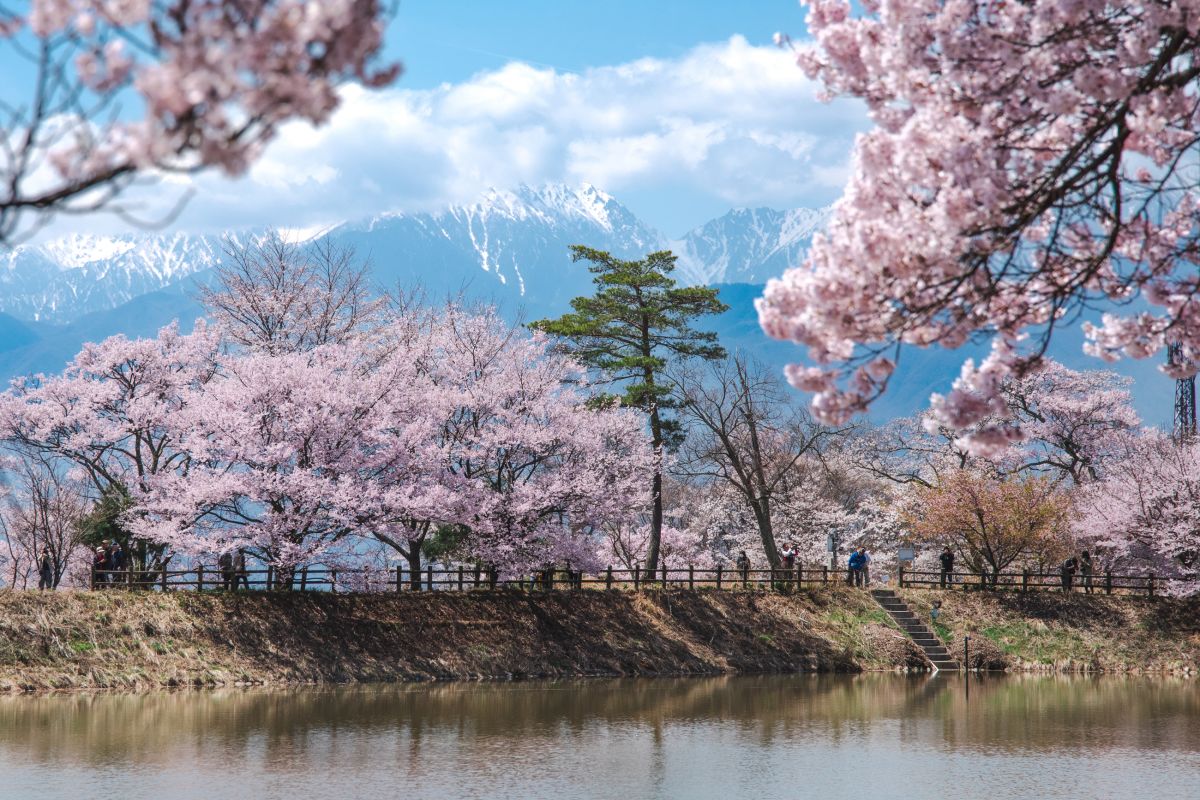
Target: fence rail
{"type": "Point", "coordinates": [1027, 581]}
{"type": "Point", "coordinates": [205, 578]}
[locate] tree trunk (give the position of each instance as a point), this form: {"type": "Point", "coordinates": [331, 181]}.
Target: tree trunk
{"type": "Point", "coordinates": [414, 567]}
{"type": "Point", "coordinates": [656, 521]}
{"type": "Point", "coordinates": [656, 512]}
{"type": "Point", "coordinates": [762, 515]}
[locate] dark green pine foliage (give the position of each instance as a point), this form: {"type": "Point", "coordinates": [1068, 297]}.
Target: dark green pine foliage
{"type": "Point", "coordinates": [633, 328]}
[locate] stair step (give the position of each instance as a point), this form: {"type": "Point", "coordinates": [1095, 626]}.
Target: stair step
{"type": "Point", "coordinates": [946, 666]}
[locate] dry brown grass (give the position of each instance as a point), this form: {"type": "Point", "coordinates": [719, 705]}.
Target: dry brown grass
{"type": "Point", "coordinates": [119, 640]}
{"type": "Point", "coordinates": [1075, 632]}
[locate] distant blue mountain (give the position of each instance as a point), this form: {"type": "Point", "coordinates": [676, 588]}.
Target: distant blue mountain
{"type": "Point", "coordinates": [509, 248]}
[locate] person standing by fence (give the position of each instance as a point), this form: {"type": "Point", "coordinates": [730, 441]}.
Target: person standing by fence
{"type": "Point", "coordinates": [743, 565]}
{"type": "Point", "coordinates": [789, 556]}
{"type": "Point", "coordinates": [239, 570]}
{"type": "Point", "coordinates": [228, 576]}
{"type": "Point", "coordinates": [866, 567]}
{"type": "Point", "coordinates": [1085, 570]}
{"type": "Point", "coordinates": [855, 574]}
{"type": "Point", "coordinates": [947, 560]}
{"type": "Point", "coordinates": [116, 561]}
{"type": "Point", "coordinates": [1068, 573]}
{"type": "Point", "coordinates": [45, 570]}
{"type": "Point", "coordinates": [99, 565]}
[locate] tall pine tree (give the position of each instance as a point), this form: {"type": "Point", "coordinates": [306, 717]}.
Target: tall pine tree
{"type": "Point", "coordinates": [637, 323]}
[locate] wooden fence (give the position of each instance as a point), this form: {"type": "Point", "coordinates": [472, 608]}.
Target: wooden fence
{"type": "Point", "coordinates": [204, 578]}
{"type": "Point", "coordinates": [1026, 581]}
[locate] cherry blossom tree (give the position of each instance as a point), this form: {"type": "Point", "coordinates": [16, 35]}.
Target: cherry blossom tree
{"type": "Point", "coordinates": [1073, 423]}
{"type": "Point", "coordinates": [271, 295]}
{"type": "Point", "coordinates": [993, 523]}
{"type": "Point", "coordinates": [112, 412]}
{"type": "Point", "coordinates": [743, 431]}
{"type": "Point", "coordinates": [1146, 511]}
{"type": "Point", "coordinates": [41, 508]}
{"type": "Point", "coordinates": [211, 82]}
{"type": "Point", "coordinates": [552, 463]}
{"type": "Point", "coordinates": [1029, 161]}
{"type": "Point", "coordinates": [276, 445]}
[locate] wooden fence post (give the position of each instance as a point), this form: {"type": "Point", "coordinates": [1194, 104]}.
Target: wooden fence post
{"type": "Point", "coordinates": [429, 576]}
{"type": "Point", "coordinates": [824, 574]}
{"type": "Point", "coordinates": [476, 584]}
{"type": "Point", "coordinates": [200, 578]}
{"type": "Point", "coordinates": [1150, 583]}
{"type": "Point", "coordinates": [664, 573]}
{"type": "Point", "coordinates": [399, 577]}
{"type": "Point", "coordinates": [492, 576]}
{"type": "Point", "coordinates": [162, 577]}
{"type": "Point", "coordinates": [460, 577]}
{"type": "Point", "coordinates": [637, 579]}
{"type": "Point", "coordinates": [718, 576]}
{"type": "Point", "coordinates": [303, 579]}
{"type": "Point", "coordinates": [982, 580]}
{"type": "Point", "coordinates": [1025, 579]}
{"type": "Point", "coordinates": [900, 575]}
{"type": "Point", "coordinates": [608, 577]}
{"type": "Point", "coordinates": [799, 575]}
{"type": "Point", "coordinates": [691, 576]}
{"type": "Point", "coordinates": [1108, 582]}
{"type": "Point", "coordinates": [93, 583]}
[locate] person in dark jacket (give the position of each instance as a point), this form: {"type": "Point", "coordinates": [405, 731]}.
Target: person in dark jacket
{"type": "Point", "coordinates": [99, 565]}
{"type": "Point", "coordinates": [743, 565]}
{"type": "Point", "coordinates": [239, 570]}
{"type": "Point", "coordinates": [225, 565]}
{"type": "Point", "coordinates": [1085, 570]}
{"type": "Point", "coordinates": [1068, 573]}
{"type": "Point", "coordinates": [45, 570]}
{"type": "Point", "coordinates": [947, 560]}
{"type": "Point", "coordinates": [116, 562]}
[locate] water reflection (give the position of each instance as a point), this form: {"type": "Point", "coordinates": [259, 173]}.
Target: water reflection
{"type": "Point", "coordinates": [721, 737]}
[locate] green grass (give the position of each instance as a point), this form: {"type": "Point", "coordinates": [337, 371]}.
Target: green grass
{"type": "Point", "coordinates": [82, 646]}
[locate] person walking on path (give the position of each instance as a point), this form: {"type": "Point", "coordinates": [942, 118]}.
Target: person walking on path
{"type": "Point", "coordinates": [116, 561]}
{"type": "Point", "coordinates": [1085, 570]}
{"type": "Point", "coordinates": [947, 559]}
{"type": "Point", "coordinates": [239, 570]}
{"type": "Point", "coordinates": [45, 570]}
{"type": "Point", "coordinates": [228, 576]}
{"type": "Point", "coordinates": [1068, 573]}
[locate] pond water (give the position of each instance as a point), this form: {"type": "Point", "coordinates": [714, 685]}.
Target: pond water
{"type": "Point", "coordinates": [870, 736]}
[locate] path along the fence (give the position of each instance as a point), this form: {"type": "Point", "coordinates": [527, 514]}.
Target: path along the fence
{"type": "Point", "coordinates": [464, 578]}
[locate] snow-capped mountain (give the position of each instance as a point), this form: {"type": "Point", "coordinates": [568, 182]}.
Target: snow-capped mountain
{"type": "Point", "coordinates": [508, 245]}
{"type": "Point", "coordinates": [748, 245]}
{"type": "Point", "coordinates": [512, 245]}
{"type": "Point", "coordinates": [65, 279]}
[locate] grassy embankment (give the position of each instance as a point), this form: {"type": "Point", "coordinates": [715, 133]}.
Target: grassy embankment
{"type": "Point", "coordinates": [85, 640]}
{"type": "Point", "coordinates": [1075, 632]}
{"type": "Point", "coordinates": [120, 640]}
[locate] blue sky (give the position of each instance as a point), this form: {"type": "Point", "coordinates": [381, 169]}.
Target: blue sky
{"type": "Point", "coordinates": [451, 41]}
{"type": "Point", "coordinates": [681, 110]}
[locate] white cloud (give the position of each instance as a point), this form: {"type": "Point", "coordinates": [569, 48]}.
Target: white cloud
{"type": "Point", "coordinates": [729, 120]}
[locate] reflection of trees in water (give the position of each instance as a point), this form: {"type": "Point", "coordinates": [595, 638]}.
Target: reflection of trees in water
{"type": "Point", "coordinates": [1006, 713]}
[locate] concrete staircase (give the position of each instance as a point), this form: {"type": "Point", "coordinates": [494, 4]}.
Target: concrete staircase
{"type": "Point", "coordinates": [935, 651]}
